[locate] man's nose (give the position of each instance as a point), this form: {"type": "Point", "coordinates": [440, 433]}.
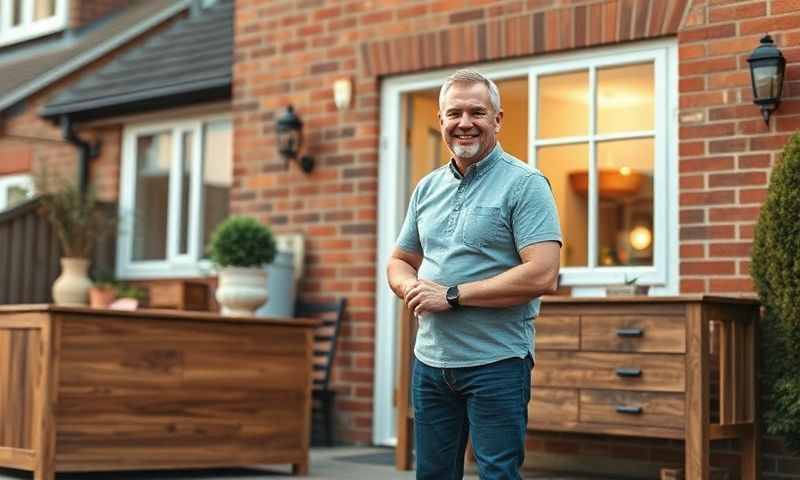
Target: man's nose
{"type": "Point", "coordinates": [465, 120]}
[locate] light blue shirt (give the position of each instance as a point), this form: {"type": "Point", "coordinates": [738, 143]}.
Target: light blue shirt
{"type": "Point", "coordinates": [471, 228]}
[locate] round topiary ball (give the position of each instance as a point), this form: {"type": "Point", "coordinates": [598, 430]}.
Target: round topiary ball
{"type": "Point", "coordinates": [242, 241]}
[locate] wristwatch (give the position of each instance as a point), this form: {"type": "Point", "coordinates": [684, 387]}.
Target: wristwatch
{"type": "Point", "coordinates": [453, 296]}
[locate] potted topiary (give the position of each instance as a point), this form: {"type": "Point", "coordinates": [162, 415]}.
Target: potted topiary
{"type": "Point", "coordinates": [240, 247]}
{"type": "Point", "coordinates": [79, 221]}
{"type": "Point", "coordinates": [775, 269]}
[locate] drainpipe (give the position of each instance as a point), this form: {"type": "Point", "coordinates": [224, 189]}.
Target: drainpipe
{"type": "Point", "coordinates": [87, 151]}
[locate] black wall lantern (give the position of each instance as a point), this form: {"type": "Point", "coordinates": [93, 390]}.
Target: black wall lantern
{"type": "Point", "coordinates": [766, 72]}
{"type": "Point", "coordinates": [290, 138]}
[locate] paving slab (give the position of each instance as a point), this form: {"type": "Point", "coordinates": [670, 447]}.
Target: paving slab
{"type": "Point", "coordinates": [339, 463]}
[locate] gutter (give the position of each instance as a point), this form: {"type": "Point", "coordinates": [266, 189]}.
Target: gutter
{"type": "Point", "coordinates": [86, 150]}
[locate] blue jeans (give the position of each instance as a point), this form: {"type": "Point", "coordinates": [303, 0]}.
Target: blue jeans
{"type": "Point", "coordinates": [490, 402]}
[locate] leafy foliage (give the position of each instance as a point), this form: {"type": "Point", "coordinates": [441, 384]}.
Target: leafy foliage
{"type": "Point", "coordinates": [78, 218]}
{"type": "Point", "coordinates": [776, 272]}
{"type": "Point", "coordinates": [242, 242]}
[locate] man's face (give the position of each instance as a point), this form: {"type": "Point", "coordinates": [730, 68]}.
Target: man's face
{"type": "Point", "coordinates": [469, 123]}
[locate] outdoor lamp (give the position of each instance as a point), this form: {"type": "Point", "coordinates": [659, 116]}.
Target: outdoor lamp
{"type": "Point", "coordinates": [289, 128]}
{"type": "Point", "coordinates": [766, 72]}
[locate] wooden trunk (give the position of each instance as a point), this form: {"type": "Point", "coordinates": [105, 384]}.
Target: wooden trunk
{"type": "Point", "coordinates": [85, 389]}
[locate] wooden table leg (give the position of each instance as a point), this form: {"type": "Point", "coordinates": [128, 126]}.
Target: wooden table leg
{"type": "Point", "coordinates": [300, 468]}
{"type": "Point", "coordinates": [697, 444]}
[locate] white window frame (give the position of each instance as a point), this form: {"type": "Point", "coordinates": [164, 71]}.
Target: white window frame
{"type": "Point", "coordinates": [593, 275]}
{"type": "Point", "coordinates": [189, 264]}
{"type": "Point", "coordinates": [15, 180]}
{"type": "Point", "coordinates": [29, 28]}
{"type": "Point", "coordinates": [393, 175]}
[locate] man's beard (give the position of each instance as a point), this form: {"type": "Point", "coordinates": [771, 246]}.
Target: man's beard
{"type": "Point", "coordinates": [470, 151]}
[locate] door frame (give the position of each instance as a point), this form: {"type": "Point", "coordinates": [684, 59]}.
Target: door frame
{"type": "Point", "coordinates": [393, 176]}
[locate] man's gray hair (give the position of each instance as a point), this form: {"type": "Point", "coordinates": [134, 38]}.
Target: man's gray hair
{"type": "Point", "coordinates": [466, 75]}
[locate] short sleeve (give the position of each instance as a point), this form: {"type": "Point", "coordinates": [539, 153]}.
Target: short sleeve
{"type": "Point", "coordinates": [534, 218]}
{"type": "Point", "coordinates": [408, 239]}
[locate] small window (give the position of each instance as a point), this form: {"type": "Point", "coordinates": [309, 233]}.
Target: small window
{"type": "Point", "coordinates": [25, 19]}
{"type": "Point", "coordinates": [175, 187]}
{"type": "Point", "coordinates": [14, 189]}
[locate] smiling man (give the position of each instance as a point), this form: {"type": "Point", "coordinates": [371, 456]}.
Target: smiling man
{"type": "Point", "coordinates": [479, 245]}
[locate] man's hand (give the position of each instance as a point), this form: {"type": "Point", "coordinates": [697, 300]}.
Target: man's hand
{"type": "Point", "coordinates": [426, 297]}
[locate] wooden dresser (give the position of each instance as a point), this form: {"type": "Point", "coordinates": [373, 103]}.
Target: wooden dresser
{"type": "Point", "coordinates": [642, 366]}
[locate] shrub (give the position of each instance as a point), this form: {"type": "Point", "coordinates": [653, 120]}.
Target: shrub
{"type": "Point", "coordinates": [776, 273]}
{"type": "Point", "coordinates": [242, 242]}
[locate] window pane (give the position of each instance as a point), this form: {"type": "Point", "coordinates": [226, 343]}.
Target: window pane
{"type": "Point", "coordinates": [565, 166]}
{"type": "Point", "coordinates": [16, 194]}
{"type": "Point", "coordinates": [186, 175]}
{"type": "Point", "coordinates": [217, 174]}
{"type": "Point", "coordinates": [43, 9]}
{"type": "Point", "coordinates": [153, 159]}
{"type": "Point", "coordinates": [625, 190]}
{"type": "Point", "coordinates": [625, 98]}
{"type": "Point", "coordinates": [513, 134]}
{"type": "Point", "coordinates": [563, 105]}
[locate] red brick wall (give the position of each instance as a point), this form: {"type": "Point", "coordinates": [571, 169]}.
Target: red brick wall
{"type": "Point", "coordinates": [82, 12]}
{"type": "Point", "coordinates": [290, 51]}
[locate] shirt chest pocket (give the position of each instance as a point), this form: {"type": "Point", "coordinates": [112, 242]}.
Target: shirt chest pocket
{"type": "Point", "coordinates": [481, 226]}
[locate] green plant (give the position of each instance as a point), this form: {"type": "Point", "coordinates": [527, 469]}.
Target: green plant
{"type": "Point", "coordinates": [77, 218]}
{"type": "Point", "coordinates": [242, 242]}
{"type": "Point", "coordinates": [776, 273]}
{"type": "Point", "coordinates": [632, 281]}
{"type": "Point", "coordinates": [125, 290]}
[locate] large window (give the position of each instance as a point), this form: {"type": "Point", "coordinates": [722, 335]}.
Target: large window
{"type": "Point", "coordinates": [24, 19]}
{"type": "Point", "coordinates": [175, 185]}
{"type": "Point", "coordinates": [600, 135]}
{"type": "Point", "coordinates": [14, 189]}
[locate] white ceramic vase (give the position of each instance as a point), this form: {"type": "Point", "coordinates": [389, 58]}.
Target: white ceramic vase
{"type": "Point", "coordinates": [72, 286]}
{"type": "Point", "coordinates": [241, 290]}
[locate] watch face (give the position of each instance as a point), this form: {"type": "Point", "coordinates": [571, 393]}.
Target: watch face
{"type": "Point", "coordinates": [452, 294]}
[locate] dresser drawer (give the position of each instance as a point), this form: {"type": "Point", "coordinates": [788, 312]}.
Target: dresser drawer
{"type": "Point", "coordinates": [632, 408]}
{"type": "Point", "coordinates": [557, 332]}
{"type": "Point", "coordinates": [553, 406]}
{"type": "Point", "coordinates": [633, 333]}
{"type": "Point", "coordinates": [623, 371]}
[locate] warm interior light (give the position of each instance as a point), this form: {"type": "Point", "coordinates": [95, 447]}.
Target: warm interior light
{"type": "Point", "coordinates": [625, 171]}
{"type": "Point", "coordinates": [640, 238]}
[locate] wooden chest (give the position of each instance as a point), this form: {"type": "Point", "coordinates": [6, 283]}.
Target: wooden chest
{"type": "Point", "coordinates": [640, 366]}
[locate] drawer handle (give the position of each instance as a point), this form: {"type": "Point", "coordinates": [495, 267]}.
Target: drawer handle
{"type": "Point", "coordinates": [629, 332]}
{"type": "Point", "coordinates": [629, 372]}
{"type": "Point", "coordinates": [629, 410]}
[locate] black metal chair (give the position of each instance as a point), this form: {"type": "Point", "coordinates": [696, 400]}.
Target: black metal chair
{"type": "Point", "coordinates": [325, 339]}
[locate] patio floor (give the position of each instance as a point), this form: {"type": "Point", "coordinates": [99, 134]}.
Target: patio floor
{"type": "Point", "coordinates": [341, 463]}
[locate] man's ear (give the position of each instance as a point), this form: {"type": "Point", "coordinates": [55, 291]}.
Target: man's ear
{"type": "Point", "coordinates": [498, 121]}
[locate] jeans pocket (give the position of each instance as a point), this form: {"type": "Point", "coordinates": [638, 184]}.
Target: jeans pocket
{"type": "Point", "coordinates": [480, 228]}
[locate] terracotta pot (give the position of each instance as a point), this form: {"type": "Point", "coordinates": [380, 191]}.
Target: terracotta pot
{"type": "Point", "coordinates": [72, 286]}
{"type": "Point", "coordinates": [241, 290]}
{"type": "Point", "coordinates": [101, 297]}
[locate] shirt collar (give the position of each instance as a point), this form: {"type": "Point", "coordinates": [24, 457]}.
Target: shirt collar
{"type": "Point", "coordinates": [482, 166]}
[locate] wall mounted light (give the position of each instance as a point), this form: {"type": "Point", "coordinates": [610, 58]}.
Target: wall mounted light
{"type": "Point", "coordinates": [342, 93]}
{"type": "Point", "coordinates": [767, 66]}
{"type": "Point", "coordinates": [289, 128]}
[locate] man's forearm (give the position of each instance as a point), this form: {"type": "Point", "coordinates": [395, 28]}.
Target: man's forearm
{"type": "Point", "coordinates": [515, 286]}
{"type": "Point", "coordinates": [399, 273]}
